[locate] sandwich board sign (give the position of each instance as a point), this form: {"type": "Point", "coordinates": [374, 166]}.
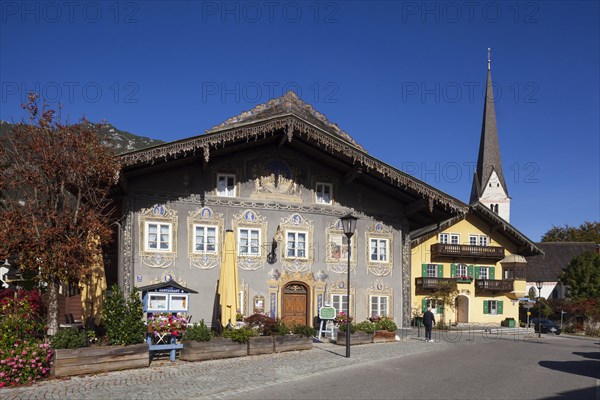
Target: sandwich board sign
{"type": "Point", "coordinates": [326, 315]}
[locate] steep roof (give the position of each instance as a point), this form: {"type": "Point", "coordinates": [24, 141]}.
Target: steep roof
{"type": "Point", "coordinates": [501, 227]}
{"type": "Point", "coordinates": [288, 121]}
{"type": "Point", "coordinates": [290, 103]}
{"type": "Point", "coordinates": [549, 266]}
{"type": "Point", "coordinates": [489, 148]}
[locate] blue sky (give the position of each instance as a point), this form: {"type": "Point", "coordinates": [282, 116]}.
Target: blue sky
{"type": "Point", "coordinates": [405, 79]}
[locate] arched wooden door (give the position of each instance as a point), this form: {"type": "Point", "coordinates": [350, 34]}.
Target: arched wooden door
{"type": "Point", "coordinates": [295, 304]}
{"type": "Point", "coordinates": [462, 309]}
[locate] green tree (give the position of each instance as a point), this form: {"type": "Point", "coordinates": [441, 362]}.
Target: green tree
{"type": "Point", "coordinates": [445, 293]}
{"type": "Point", "coordinates": [586, 232]}
{"type": "Point", "coordinates": [583, 276]}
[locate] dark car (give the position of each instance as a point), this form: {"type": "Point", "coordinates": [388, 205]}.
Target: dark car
{"type": "Point", "coordinates": [546, 325]}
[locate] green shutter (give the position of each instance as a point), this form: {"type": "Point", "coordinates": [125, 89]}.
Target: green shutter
{"type": "Point", "coordinates": [470, 271]}
{"type": "Point", "coordinates": [424, 305]}
{"type": "Point", "coordinates": [500, 307]}
{"type": "Point", "coordinates": [486, 309]}
{"type": "Point", "coordinates": [477, 272]}
{"type": "Point", "coordinates": [491, 272]}
{"type": "Point", "coordinates": [440, 269]}
{"type": "Point", "coordinates": [440, 309]}
{"type": "Point", "coordinates": [424, 270]}
{"type": "Point", "coordinates": [452, 270]}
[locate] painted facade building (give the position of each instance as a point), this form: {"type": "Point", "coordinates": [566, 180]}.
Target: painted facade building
{"type": "Point", "coordinates": [279, 176]}
{"type": "Point", "coordinates": [481, 251]}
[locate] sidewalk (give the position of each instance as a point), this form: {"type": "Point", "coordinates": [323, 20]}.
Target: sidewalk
{"type": "Point", "coordinates": [217, 379]}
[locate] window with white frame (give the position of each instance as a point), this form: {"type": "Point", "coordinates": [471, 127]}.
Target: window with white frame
{"type": "Point", "coordinates": [461, 270]}
{"type": "Point", "coordinates": [339, 302]}
{"type": "Point", "coordinates": [493, 307]}
{"type": "Point", "coordinates": [454, 238]}
{"type": "Point", "coordinates": [432, 303]}
{"type": "Point", "coordinates": [473, 240]}
{"type": "Point", "coordinates": [484, 273]}
{"type": "Point", "coordinates": [296, 244]}
{"type": "Point", "coordinates": [249, 242]}
{"type": "Point", "coordinates": [483, 240]}
{"type": "Point", "coordinates": [158, 236]}
{"type": "Point", "coordinates": [444, 238]}
{"type": "Point", "coordinates": [205, 239]}
{"type": "Point", "coordinates": [226, 185]}
{"type": "Point", "coordinates": [378, 249]}
{"type": "Point", "coordinates": [324, 193]}
{"type": "Point", "coordinates": [379, 306]}
{"type": "Point", "coordinates": [432, 270]}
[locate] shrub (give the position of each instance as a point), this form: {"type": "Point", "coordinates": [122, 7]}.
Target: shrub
{"type": "Point", "coordinates": [304, 330]}
{"type": "Point", "coordinates": [123, 317]}
{"type": "Point", "coordinates": [366, 326]}
{"type": "Point", "coordinates": [24, 358]}
{"type": "Point", "coordinates": [386, 324]}
{"type": "Point", "coordinates": [241, 335]}
{"type": "Point", "coordinates": [352, 328]}
{"type": "Point", "coordinates": [70, 338]}
{"type": "Point", "coordinates": [198, 332]}
{"type": "Point", "coordinates": [263, 324]}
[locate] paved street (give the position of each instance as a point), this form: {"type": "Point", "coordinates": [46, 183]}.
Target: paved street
{"type": "Point", "coordinates": [456, 366]}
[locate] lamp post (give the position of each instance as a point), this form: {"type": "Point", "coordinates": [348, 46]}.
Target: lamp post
{"type": "Point", "coordinates": [539, 285]}
{"type": "Point", "coordinates": [349, 225]}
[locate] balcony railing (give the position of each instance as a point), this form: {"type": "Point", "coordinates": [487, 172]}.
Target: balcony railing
{"type": "Point", "coordinates": [441, 250]}
{"type": "Point", "coordinates": [431, 283]}
{"type": "Point", "coordinates": [494, 285]}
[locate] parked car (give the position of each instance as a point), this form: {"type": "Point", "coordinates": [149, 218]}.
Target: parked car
{"type": "Point", "coordinates": [546, 325]}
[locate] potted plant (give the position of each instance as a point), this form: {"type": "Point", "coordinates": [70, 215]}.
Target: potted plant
{"type": "Point", "coordinates": [199, 344]}
{"type": "Point", "coordinates": [385, 329]}
{"type": "Point", "coordinates": [298, 337]}
{"type": "Point", "coordinates": [125, 330]}
{"type": "Point", "coordinates": [360, 333]}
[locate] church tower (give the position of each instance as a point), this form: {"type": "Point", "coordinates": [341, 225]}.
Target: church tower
{"type": "Point", "coordinates": [489, 187]}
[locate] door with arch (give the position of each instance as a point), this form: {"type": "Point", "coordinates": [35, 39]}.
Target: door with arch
{"type": "Point", "coordinates": [462, 309]}
{"type": "Point", "coordinates": [295, 304]}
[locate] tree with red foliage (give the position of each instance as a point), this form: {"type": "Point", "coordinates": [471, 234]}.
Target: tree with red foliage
{"type": "Point", "coordinates": [55, 181]}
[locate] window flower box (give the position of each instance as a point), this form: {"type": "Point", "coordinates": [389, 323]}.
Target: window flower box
{"type": "Point", "coordinates": [464, 279]}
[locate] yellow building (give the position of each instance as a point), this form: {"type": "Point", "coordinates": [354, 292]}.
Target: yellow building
{"type": "Point", "coordinates": [481, 251]}
{"type": "Point", "coordinates": [484, 255]}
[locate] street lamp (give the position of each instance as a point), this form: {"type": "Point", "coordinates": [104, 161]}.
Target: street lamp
{"type": "Point", "coordinates": [539, 285]}
{"type": "Point", "coordinates": [349, 225]}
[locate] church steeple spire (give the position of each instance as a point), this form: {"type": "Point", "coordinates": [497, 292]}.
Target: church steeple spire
{"type": "Point", "coordinates": [489, 186]}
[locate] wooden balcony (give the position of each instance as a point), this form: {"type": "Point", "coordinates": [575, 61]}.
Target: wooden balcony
{"type": "Point", "coordinates": [431, 283]}
{"type": "Point", "coordinates": [461, 251]}
{"type": "Point", "coordinates": [492, 285]}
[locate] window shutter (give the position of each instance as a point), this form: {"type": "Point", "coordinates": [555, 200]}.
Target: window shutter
{"type": "Point", "coordinates": [440, 269]}
{"type": "Point", "coordinates": [470, 270]}
{"type": "Point", "coordinates": [424, 305]}
{"type": "Point", "coordinates": [491, 272]}
{"type": "Point", "coordinates": [424, 270]}
{"type": "Point", "coordinates": [440, 309]}
{"type": "Point", "coordinates": [452, 270]}
{"type": "Point", "coordinates": [500, 307]}
{"type": "Point", "coordinates": [486, 309]}
{"type": "Point", "coordinates": [477, 272]}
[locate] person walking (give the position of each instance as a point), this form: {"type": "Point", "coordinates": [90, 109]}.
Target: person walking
{"type": "Point", "coordinates": [428, 321]}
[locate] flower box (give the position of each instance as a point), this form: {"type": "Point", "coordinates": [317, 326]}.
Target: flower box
{"type": "Point", "coordinates": [383, 336]}
{"type": "Point", "coordinates": [260, 345]}
{"type": "Point", "coordinates": [91, 360]}
{"type": "Point", "coordinates": [292, 342]}
{"type": "Point", "coordinates": [359, 337]}
{"type": "Point", "coordinates": [213, 349]}
{"type": "Point", "coordinates": [461, 280]}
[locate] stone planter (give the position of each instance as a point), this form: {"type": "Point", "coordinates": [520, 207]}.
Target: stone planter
{"type": "Point", "coordinates": [260, 345]}
{"type": "Point", "coordinates": [359, 337]}
{"type": "Point", "coordinates": [292, 342]}
{"type": "Point", "coordinates": [383, 336]}
{"type": "Point", "coordinates": [91, 360]}
{"type": "Point", "coordinates": [213, 349]}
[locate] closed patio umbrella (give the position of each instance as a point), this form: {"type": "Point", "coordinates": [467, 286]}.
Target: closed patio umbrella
{"type": "Point", "coordinates": [92, 285]}
{"type": "Point", "coordinates": [228, 281]}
